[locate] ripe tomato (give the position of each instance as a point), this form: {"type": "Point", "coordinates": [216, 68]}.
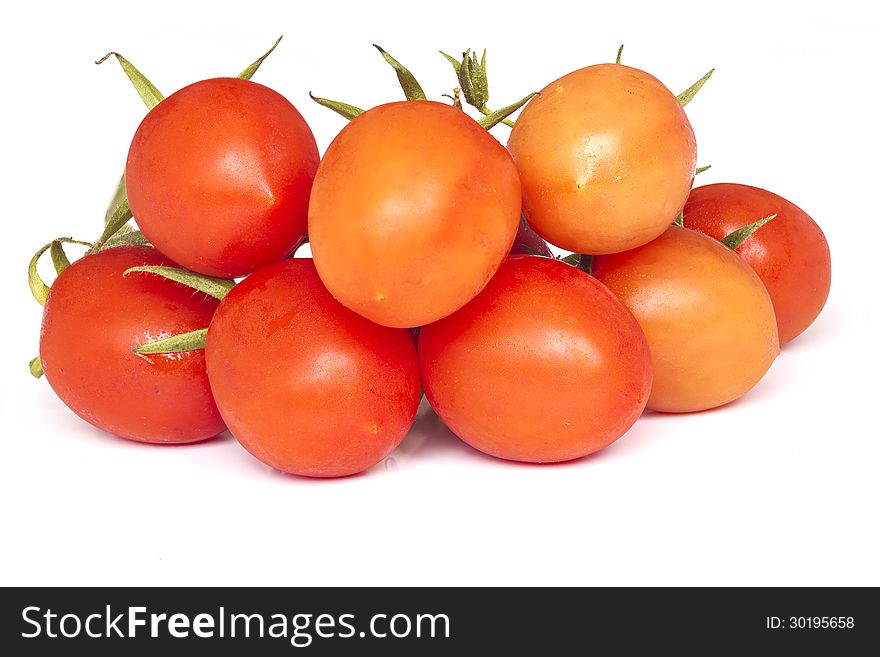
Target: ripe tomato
{"type": "Point", "coordinates": [94, 318]}
{"type": "Point", "coordinates": [606, 156]}
{"type": "Point", "coordinates": [707, 316]}
{"type": "Point", "coordinates": [790, 253]}
{"type": "Point", "coordinates": [543, 365]}
{"type": "Point", "coordinates": [306, 385]}
{"type": "Point", "coordinates": [219, 174]}
{"type": "Point", "coordinates": [414, 207]}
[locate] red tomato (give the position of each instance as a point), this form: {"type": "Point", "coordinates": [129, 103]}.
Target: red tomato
{"type": "Point", "coordinates": [606, 156]}
{"type": "Point", "coordinates": [790, 253]}
{"type": "Point", "coordinates": [219, 174]}
{"type": "Point", "coordinates": [94, 318]}
{"type": "Point", "coordinates": [543, 365]}
{"type": "Point", "coordinates": [414, 207]}
{"type": "Point", "coordinates": [707, 316]}
{"type": "Point", "coordinates": [306, 385]}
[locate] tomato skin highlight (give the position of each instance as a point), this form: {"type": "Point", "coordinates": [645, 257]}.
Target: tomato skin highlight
{"type": "Point", "coordinates": [306, 385]}
{"type": "Point", "coordinates": [94, 318]}
{"type": "Point", "coordinates": [413, 209]}
{"type": "Point", "coordinates": [707, 316]}
{"type": "Point", "coordinates": [544, 365]}
{"type": "Point", "coordinates": [606, 156]}
{"type": "Point", "coordinates": [790, 253]}
{"type": "Point", "coordinates": [219, 175]}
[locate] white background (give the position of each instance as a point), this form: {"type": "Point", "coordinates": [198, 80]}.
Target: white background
{"type": "Point", "coordinates": [778, 488]}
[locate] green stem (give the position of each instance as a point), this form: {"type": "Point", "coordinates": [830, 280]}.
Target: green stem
{"type": "Point", "coordinates": [619, 54]}
{"type": "Point", "coordinates": [702, 169]}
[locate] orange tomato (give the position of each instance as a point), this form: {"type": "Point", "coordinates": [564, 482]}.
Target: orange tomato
{"type": "Point", "coordinates": [413, 209]}
{"type": "Point", "coordinates": [606, 156]}
{"type": "Point", "coordinates": [707, 316]}
{"type": "Point", "coordinates": [543, 365]}
{"type": "Point", "coordinates": [790, 253]}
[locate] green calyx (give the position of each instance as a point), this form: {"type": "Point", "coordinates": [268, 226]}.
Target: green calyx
{"type": "Point", "coordinates": [737, 237]}
{"type": "Point", "coordinates": [679, 219]}
{"type": "Point", "coordinates": [411, 87]}
{"type": "Point", "coordinates": [474, 84]}
{"type": "Point", "coordinates": [38, 286]}
{"type": "Point", "coordinates": [119, 213]}
{"type": "Point", "coordinates": [500, 116]}
{"type": "Point", "coordinates": [36, 367]}
{"type": "Point", "coordinates": [412, 90]}
{"type": "Point", "coordinates": [146, 89]}
{"type": "Point", "coordinates": [688, 94]}
{"type": "Point", "coordinates": [192, 341]}
{"type": "Point", "coordinates": [248, 73]}
{"type": "Point", "coordinates": [126, 236]}
{"type": "Point", "coordinates": [214, 287]}
{"type": "Point", "coordinates": [344, 110]}
{"type": "Point", "coordinates": [582, 261]}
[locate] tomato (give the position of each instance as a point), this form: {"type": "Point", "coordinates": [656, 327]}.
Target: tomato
{"type": "Point", "coordinates": [219, 174]}
{"type": "Point", "coordinates": [543, 365]}
{"type": "Point", "coordinates": [413, 209]}
{"type": "Point", "coordinates": [94, 318]}
{"type": "Point", "coordinates": [606, 156]}
{"type": "Point", "coordinates": [707, 316]}
{"type": "Point", "coordinates": [306, 385]}
{"type": "Point", "coordinates": [790, 253]}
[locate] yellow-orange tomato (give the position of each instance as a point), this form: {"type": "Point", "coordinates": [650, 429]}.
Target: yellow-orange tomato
{"type": "Point", "coordinates": [707, 316]}
{"type": "Point", "coordinates": [606, 156]}
{"type": "Point", "coordinates": [413, 209]}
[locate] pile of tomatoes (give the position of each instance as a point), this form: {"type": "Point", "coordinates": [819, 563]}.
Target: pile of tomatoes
{"type": "Point", "coordinates": [430, 271]}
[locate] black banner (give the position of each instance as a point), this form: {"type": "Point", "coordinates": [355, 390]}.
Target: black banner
{"type": "Point", "coordinates": [318, 621]}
